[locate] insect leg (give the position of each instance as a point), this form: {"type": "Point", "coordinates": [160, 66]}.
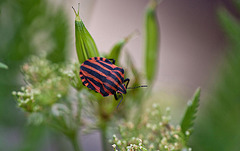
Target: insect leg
{"type": "Point", "coordinates": [126, 80]}
{"type": "Point", "coordinates": [115, 96]}
{"type": "Point", "coordinates": [113, 61]}
{"type": "Point", "coordinates": [120, 100]}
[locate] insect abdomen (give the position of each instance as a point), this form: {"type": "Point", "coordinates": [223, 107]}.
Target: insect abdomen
{"type": "Point", "coordinates": [100, 75]}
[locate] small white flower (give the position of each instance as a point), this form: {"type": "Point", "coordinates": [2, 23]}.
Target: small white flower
{"type": "Point", "coordinates": [130, 125]}
{"type": "Point", "coordinates": [145, 142]}
{"type": "Point", "coordinates": [119, 142]}
{"type": "Point", "coordinates": [189, 103]}
{"type": "Point", "coordinates": [164, 118]}
{"type": "Point", "coordinates": [153, 113]}
{"type": "Point", "coordinates": [31, 97]}
{"type": "Point", "coordinates": [176, 136]}
{"type": "Point", "coordinates": [151, 146]}
{"type": "Point", "coordinates": [20, 93]}
{"type": "Point", "coordinates": [154, 105]}
{"type": "Point", "coordinates": [168, 109]}
{"type": "Point", "coordinates": [135, 146]}
{"type": "Point", "coordinates": [59, 95]}
{"type": "Point", "coordinates": [160, 145]}
{"type": "Point", "coordinates": [172, 147]}
{"type": "Point", "coordinates": [114, 145]}
{"type": "Point", "coordinates": [178, 127]}
{"type": "Point", "coordinates": [148, 125]}
{"type": "Point", "coordinates": [27, 100]}
{"type": "Point", "coordinates": [164, 140]}
{"type": "Point", "coordinates": [139, 140]}
{"type": "Point", "coordinates": [154, 127]}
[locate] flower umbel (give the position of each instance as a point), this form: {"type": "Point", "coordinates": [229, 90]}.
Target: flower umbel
{"type": "Point", "coordinates": [154, 132]}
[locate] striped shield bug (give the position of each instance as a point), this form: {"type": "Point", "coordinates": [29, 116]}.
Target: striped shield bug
{"type": "Point", "coordinates": [103, 76]}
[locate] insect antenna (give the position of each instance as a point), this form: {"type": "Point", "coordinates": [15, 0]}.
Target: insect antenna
{"type": "Point", "coordinates": [137, 87]}
{"type": "Point", "coordinates": [120, 100]}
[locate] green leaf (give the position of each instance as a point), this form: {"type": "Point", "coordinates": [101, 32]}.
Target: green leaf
{"type": "Point", "coordinates": [151, 41]}
{"type": "Point", "coordinates": [230, 25]}
{"type": "Point", "coordinates": [3, 66]}
{"type": "Point", "coordinates": [85, 45]}
{"type": "Point", "coordinates": [132, 67]}
{"type": "Point", "coordinates": [190, 114]}
{"type": "Point", "coordinates": [116, 50]}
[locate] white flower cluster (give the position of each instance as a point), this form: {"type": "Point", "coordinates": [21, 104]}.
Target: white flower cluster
{"type": "Point", "coordinates": [72, 72]}
{"type": "Point", "coordinates": [154, 132]}
{"type": "Point", "coordinates": [123, 145]}
{"type": "Point", "coordinates": [45, 85]}
{"type": "Point", "coordinates": [26, 100]}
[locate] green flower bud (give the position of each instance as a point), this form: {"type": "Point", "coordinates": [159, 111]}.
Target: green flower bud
{"type": "Point", "coordinates": [152, 41]}
{"type": "Point", "coordinates": [85, 45]}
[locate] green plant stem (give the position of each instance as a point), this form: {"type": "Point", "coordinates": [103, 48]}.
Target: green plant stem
{"type": "Point", "coordinates": [141, 105]}
{"type": "Point", "coordinates": [103, 128]}
{"type": "Point", "coordinates": [71, 135]}
{"type": "Point", "coordinates": [74, 140]}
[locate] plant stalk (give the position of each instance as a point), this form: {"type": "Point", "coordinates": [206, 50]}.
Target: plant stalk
{"type": "Point", "coordinates": [74, 140]}
{"type": "Point", "coordinates": [103, 128]}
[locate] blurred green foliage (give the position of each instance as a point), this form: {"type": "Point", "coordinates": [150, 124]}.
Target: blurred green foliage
{"type": "Point", "coordinates": [26, 27]}
{"type": "Point", "coordinates": [218, 125]}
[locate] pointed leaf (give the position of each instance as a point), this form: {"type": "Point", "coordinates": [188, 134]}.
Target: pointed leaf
{"type": "Point", "coordinates": [190, 114]}
{"type": "Point", "coordinates": [117, 48]}
{"type": "Point", "coordinates": [151, 41]}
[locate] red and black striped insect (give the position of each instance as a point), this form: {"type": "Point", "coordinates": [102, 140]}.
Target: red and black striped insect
{"type": "Point", "coordinates": [103, 76]}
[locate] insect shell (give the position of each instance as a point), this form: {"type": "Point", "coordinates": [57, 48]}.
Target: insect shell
{"type": "Point", "coordinates": [103, 76]}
